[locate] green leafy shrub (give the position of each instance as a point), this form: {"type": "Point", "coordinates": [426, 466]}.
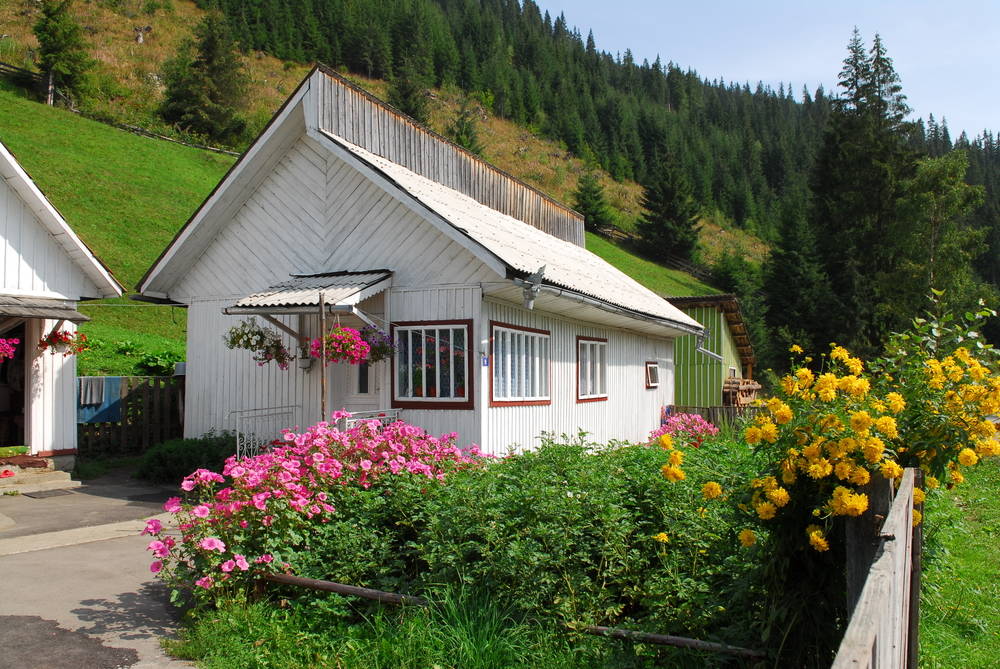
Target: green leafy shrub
{"type": "Point", "coordinates": [172, 460]}
{"type": "Point", "coordinates": [160, 363]}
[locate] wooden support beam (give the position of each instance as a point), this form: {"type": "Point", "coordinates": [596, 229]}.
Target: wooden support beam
{"type": "Point", "coordinates": [284, 328]}
{"type": "Point", "coordinates": [668, 640]}
{"type": "Point", "coordinates": [351, 590]}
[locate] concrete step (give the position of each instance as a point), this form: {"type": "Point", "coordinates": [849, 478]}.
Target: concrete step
{"type": "Point", "coordinates": [37, 480]}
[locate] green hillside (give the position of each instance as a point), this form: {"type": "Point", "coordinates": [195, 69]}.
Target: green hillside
{"type": "Point", "coordinates": [128, 195]}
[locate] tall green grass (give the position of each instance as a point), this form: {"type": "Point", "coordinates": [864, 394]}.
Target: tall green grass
{"type": "Point", "coordinates": [960, 615]}
{"type": "Point", "coordinates": [657, 278]}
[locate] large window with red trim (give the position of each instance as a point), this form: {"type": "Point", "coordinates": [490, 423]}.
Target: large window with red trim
{"type": "Point", "coordinates": [591, 369]}
{"type": "Point", "coordinates": [432, 368]}
{"type": "Point", "coordinates": [520, 359]}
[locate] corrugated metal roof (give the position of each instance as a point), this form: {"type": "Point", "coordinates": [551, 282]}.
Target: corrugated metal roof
{"type": "Point", "coordinates": [40, 307]}
{"type": "Point", "coordinates": [525, 248]}
{"type": "Point", "coordinates": [304, 290]}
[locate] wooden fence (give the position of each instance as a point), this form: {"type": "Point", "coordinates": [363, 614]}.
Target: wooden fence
{"type": "Point", "coordinates": [882, 630]}
{"type": "Point", "coordinates": [21, 75]}
{"type": "Point", "coordinates": [152, 411]}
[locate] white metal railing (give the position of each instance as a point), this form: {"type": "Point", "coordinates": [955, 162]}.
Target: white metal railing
{"type": "Point", "coordinates": [383, 416]}
{"type": "Point", "coordinates": [257, 428]}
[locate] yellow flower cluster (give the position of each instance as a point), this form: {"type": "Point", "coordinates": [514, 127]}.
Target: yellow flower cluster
{"type": "Point", "coordinates": [847, 503]}
{"type": "Point", "coordinates": [816, 538]}
{"type": "Point", "coordinates": [672, 470]}
{"type": "Point", "coordinates": [661, 537]}
{"type": "Point", "coordinates": [747, 538]}
{"type": "Point", "coordinates": [711, 490]}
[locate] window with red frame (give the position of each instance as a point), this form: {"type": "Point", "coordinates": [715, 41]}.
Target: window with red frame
{"type": "Point", "coordinates": [431, 363]}
{"type": "Point", "coordinates": [591, 369]}
{"type": "Point", "coordinates": [520, 365]}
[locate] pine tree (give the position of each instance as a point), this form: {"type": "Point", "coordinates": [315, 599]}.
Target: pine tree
{"type": "Point", "coordinates": [668, 224]}
{"type": "Point", "coordinates": [408, 92]}
{"type": "Point", "coordinates": [463, 129]}
{"type": "Point", "coordinates": [589, 200]}
{"type": "Point", "coordinates": [207, 89]}
{"type": "Point", "coordinates": [856, 187]}
{"type": "Point", "coordinates": [62, 51]}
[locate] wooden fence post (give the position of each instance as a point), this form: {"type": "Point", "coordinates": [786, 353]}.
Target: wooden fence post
{"type": "Point", "coordinates": [862, 534]}
{"type": "Point", "coordinates": [913, 638]}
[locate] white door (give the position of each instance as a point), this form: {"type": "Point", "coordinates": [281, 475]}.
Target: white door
{"type": "Point", "coordinates": [363, 388]}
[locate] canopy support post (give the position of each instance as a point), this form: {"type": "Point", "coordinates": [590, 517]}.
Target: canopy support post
{"type": "Point", "coordinates": [322, 339]}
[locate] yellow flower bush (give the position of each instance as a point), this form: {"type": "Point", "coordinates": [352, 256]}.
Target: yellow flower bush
{"type": "Point", "coordinates": [828, 431]}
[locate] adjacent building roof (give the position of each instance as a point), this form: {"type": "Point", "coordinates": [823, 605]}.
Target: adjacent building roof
{"type": "Point", "coordinates": [39, 307]}
{"type": "Point", "coordinates": [729, 305]}
{"type": "Point", "coordinates": [338, 288]}
{"type": "Point", "coordinates": [523, 248]}
{"type": "Point", "coordinates": [22, 184]}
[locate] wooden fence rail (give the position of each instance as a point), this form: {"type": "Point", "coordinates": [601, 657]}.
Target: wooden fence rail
{"type": "Point", "coordinates": [152, 411]}
{"type": "Point", "coordinates": [880, 631]}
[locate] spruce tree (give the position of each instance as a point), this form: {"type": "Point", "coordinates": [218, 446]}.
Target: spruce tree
{"type": "Point", "coordinates": [408, 92]}
{"type": "Point", "coordinates": [589, 200]}
{"type": "Point", "coordinates": [62, 51]}
{"type": "Point", "coordinates": [668, 225]}
{"type": "Point", "coordinates": [856, 186]}
{"type": "Point", "coordinates": [207, 89]}
{"type": "Point", "coordinates": [463, 131]}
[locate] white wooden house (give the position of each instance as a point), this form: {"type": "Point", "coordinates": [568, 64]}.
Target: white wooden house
{"type": "Point", "coordinates": [45, 269]}
{"type": "Point", "coordinates": [506, 326]}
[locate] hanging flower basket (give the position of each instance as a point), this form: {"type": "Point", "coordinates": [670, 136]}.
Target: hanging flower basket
{"type": "Point", "coordinates": [379, 342]}
{"type": "Point", "coordinates": [64, 341]}
{"type": "Point", "coordinates": [7, 348]}
{"type": "Point", "coordinates": [342, 345]}
{"type": "Point", "coordinates": [265, 344]}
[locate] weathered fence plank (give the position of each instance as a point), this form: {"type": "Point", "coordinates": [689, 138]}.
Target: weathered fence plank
{"type": "Point", "coordinates": [877, 635]}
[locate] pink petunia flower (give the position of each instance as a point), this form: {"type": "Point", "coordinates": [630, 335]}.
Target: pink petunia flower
{"type": "Point", "coordinates": [172, 505]}
{"type": "Point", "coordinates": [227, 566]}
{"type": "Point", "coordinates": [187, 485]}
{"type": "Point", "coordinates": [212, 544]}
{"type": "Point", "coordinates": [241, 562]}
{"type": "Point", "coordinates": [204, 582]}
{"type": "Point", "coordinates": [156, 566]}
{"type": "Point", "coordinates": [153, 527]}
{"type": "Point", "coordinates": [201, 511]}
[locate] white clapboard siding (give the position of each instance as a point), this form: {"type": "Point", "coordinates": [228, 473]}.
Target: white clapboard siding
{"type": "Point", "coordinates": [33, 263]}
{"type": "Point", "coordinates": [359, 118]}
{"type": "Point", "coordinates": [631, 410]}
{"type": "Point", "coordinates": [314, 213]}
{"type": "Point", "coordinates": [51, 384]}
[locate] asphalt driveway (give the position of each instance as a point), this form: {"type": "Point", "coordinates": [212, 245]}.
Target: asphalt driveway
{"type": "Point", "coordinates": [75, 586]}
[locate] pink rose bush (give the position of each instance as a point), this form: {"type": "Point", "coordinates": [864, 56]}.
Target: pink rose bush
{"type": "Point", "coordinates": [685, 429]}
{"type": "Point", "coordinates": [258, 510]}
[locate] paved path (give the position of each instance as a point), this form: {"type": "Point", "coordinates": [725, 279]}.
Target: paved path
{"type": "Point", "coordinates": [75, 586]}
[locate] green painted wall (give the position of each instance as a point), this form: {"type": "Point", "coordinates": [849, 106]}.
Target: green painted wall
{"type": "Point", "coordinates": [698, 378]}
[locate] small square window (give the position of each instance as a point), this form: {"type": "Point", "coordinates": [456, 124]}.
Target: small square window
{"type": "Point", "coordinates": [652, 374]}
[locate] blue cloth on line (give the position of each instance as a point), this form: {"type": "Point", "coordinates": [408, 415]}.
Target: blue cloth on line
{"type": "Point", "coordinates": [110, 408]}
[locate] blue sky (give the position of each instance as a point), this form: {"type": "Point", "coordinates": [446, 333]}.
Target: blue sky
{"type": "Point", "coordinates": [947, 54]}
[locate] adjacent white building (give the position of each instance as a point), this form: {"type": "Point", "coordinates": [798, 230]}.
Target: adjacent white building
{"type": "Point", "coordinates": [45, 269]}
{"type": "Point", "coordinates": [506, 326]}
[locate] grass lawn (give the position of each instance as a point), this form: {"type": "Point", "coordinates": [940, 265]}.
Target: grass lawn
{"type": "Point", "coordinates": [960, 602]}
{"type": "Point", "coordinates": [657, 278]}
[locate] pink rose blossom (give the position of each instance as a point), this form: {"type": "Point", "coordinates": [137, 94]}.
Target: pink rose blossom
{"type": "Point", "coordinates": [264, 559]}
{"type": "Point", "coordinates": [241, 562]}
{"type": "Point", "coordinates": [187, 485]}
{"type": "Point", "coordinates": [156, 566]}
{"type": "Point", "coordinates": [227, 566]}
{"type": "Point", "coordinates": [172, 505]}
{"type": "Point", "coordinates": [201, 511]}
{"type": "Point", "coordinates": [204, 582]}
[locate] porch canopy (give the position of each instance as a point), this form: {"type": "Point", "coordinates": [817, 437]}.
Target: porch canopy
{"type": "Point", "coordinates": [16, 307]}
{"type": "Point", "coordinates": [300, 295]}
